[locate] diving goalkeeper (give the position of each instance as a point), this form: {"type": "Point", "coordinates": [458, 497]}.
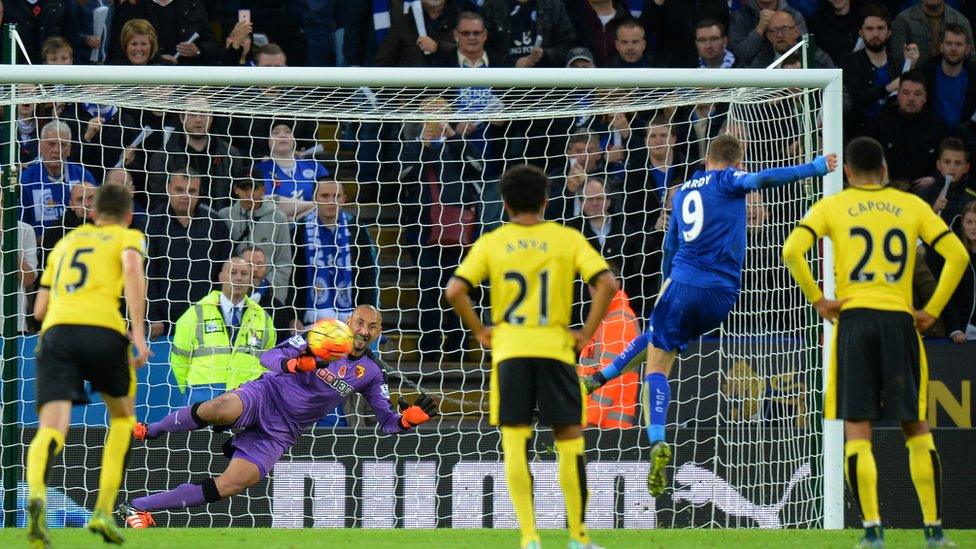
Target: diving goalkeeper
{"type": "Point", "coordinates": [273, 410]}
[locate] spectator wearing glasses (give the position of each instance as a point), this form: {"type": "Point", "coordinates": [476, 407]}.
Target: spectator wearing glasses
{"type": "Point", "coordinates": [748, 26]}
{"type": "Point", "coordinates": [782, 34]}
{"type": "Point", "coordinates": [671, 24]}
{"type": "Point", "coordinates": [712, 44]}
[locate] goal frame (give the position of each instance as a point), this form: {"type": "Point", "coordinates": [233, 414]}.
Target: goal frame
{"type": "Point", "coordinates": [827, 80]}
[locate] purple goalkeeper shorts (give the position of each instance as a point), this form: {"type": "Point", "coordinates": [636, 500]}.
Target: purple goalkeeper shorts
{"type": "Point", "coordinates": [266, 435]}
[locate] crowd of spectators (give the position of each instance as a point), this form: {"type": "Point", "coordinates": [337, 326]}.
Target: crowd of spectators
{"type": "Point", "coordinates": [263, 189]}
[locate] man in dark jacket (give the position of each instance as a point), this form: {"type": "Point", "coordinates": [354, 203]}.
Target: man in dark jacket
{"type": "Point", "coordinates": [186, 251]}
{"type": "Point", "coordinates": [36, 22]}
{"type": "Point", "coordinates": [592, 33]}
{"type": "Point", "coordinates": [403, 45]}
{"type": "Point", "coordinates": [78, 212]}
{"type": "Point", "coordinates": [784, 33]}
{"type": "Point", "coordinates": [871, 73]}
{"type": "Point", "coordinates": [263, 293]}
{"type": "Point", "coordinates": [673, 23]}
{"type": "Point", "coordinates": [909, 133]}
{"type": "Point", "coordinates": [335, 259]}
{"type": "Point", "coordinates": [279, 20]}
{"type": "Point", "coordinates": [749, 25]}
{"type": "Point", "coordinates": [952, 78]}
{"type": "Point", "coordinates": [631, 47]}
{"type": "Point", "coordinates": [835, 27]}
{"type": "Point", "coordinates": [528, 33]}
{"type": "Point", "coordinates": [213, 158]}
{"type": "Point", "coordinates": [175, 24]}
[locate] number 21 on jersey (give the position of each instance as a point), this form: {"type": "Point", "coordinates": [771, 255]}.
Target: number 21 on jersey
{"type": "Point", "coordinates": [518, 310]}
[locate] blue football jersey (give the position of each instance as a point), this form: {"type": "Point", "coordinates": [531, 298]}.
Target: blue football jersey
{"type": "Point", "coordinates": [708, 217]}
{"type": "Point", "coordinates": [43, 197]}
{"type": "Point", "coordinates": [297, 183]}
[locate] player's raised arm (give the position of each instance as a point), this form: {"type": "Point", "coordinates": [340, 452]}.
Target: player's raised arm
{"type": "Point", "coordinates": [776, 177]}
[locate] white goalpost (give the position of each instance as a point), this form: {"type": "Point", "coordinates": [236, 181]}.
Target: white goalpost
{"type": "Point", "coordinates": [417, 154]}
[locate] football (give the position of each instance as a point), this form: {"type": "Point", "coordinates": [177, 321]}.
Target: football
{"type": "Point", "coordinates": [329, 339]}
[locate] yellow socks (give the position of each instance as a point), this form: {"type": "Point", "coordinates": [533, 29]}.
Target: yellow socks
{"type": "Point", "coordinates": [113, 462]}
{"type": "Point", "coordinates": [47, 443]}
{"type": "Point", "coordinates": [861, 473]}
{"type": "Point", "coordinates": [926, 469]}
{"type": "Point", "coordinates": [514, 441]}
{"type": "Point", "coordinates": [572, 478]}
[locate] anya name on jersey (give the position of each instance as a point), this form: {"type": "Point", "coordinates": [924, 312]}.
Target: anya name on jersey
{"type": "Point", "coordinates": [523, 244]}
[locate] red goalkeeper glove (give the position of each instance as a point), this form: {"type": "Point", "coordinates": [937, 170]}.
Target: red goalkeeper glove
{"type": "Point", "coordinates": [300, 364]}
{"type": "Point", "coordinates": [419, 412]}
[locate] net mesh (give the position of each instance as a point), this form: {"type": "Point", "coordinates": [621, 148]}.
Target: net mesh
{"type": "Point", "coordinates": [418, 169]}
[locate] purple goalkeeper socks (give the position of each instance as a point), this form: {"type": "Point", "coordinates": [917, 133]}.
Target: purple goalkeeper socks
{"type": "Point", "coordinates": [176, 422]}
{"type": "Point", "coordinates": [184, 495]}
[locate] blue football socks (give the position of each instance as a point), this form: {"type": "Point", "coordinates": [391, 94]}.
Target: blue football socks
{"type": "Point", "coordinates": [634, 348]}
{"type": "Point", "coordinates": [659, 395]}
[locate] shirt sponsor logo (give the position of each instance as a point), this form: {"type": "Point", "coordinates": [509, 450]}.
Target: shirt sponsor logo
{"type": "Point", "coordinates": [333, 381]}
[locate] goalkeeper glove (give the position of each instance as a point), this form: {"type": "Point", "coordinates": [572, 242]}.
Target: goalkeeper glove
{"type": "Point", "coordinates": [419, 412]}
{"type": "Point", "coordinates": [593, 382]}
{"type": "Point", "coordinates": [301, 364]}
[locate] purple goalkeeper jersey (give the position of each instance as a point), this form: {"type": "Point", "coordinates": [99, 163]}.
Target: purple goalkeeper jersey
{"type": "Point", "coordinates": [306, 397]}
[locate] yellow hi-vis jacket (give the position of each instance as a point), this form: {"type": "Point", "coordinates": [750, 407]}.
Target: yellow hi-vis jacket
{"type": "Point", "coordinates": [202, 353]}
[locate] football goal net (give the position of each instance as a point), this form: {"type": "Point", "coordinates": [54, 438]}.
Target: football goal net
{"type": "Point", "coordinates": [341, 187]}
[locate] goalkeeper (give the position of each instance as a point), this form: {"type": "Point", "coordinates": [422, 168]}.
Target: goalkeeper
{"type": "Point", "coordinates": [272, 412]}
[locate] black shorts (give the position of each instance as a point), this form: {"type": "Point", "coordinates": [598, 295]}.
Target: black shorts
{"type": "Point", "coordinates": [878, 370]}
{"type": "Point", "coordinates": [519, 386]}
{"type": "Point", "coordinates": [68, 355]}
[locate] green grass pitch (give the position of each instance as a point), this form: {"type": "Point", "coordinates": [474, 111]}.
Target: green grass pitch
{"type": "Point", "coordinates": [267, 538]}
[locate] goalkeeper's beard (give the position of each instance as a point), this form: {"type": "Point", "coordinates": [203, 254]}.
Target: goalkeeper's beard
{"type": "Point", "coordinates": [359, 344]}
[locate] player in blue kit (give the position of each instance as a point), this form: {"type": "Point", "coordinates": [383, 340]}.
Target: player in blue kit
{"type": "Point", "coordinates": [704, 249]}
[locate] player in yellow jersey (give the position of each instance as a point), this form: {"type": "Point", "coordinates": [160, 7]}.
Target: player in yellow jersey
{"type": "Point", "coordinates": [878, 369]}
{"type": "Point", "coordinates": [531, 266]}
{"type": "Point", "coordinates": [83, 338]}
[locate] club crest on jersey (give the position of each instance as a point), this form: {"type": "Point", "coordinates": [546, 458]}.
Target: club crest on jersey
{"type": "Point", "coordinates": [335, 382]}
{"type": "Point", "coordinates": [360, 371]}
{"type": "Point", "coordinates": [308, 174]}
{"type": "Point", "coordinates": [341, 371]}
